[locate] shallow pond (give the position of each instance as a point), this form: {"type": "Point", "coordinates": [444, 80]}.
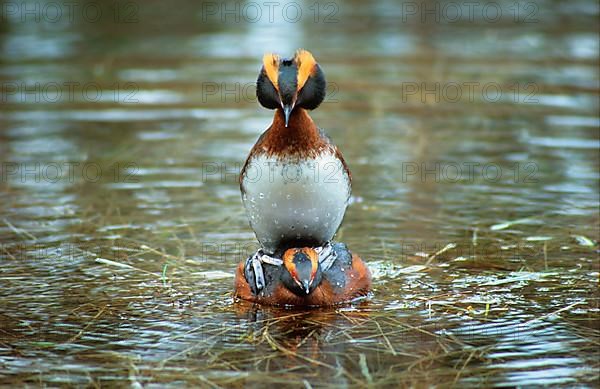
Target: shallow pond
{"type": "Point", "coordinates": [473, 143]}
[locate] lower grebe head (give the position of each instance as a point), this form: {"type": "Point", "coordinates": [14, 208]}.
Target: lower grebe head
{"type": "Point", "coordinates": [301, 270]}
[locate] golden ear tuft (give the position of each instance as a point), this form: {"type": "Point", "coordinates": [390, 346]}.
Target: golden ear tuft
{"type": "Point", "coordinates": [306, 66]}
{"type": "Point", "coordinates": [271, 66]}
{"type": "Point", "coordinates": [288, 258]}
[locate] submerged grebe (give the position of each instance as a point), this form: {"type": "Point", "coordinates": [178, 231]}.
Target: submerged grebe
{"type": "Point", "coordinates": [295, 184]}
{"type": "Point", "coordinates": [305, 277]}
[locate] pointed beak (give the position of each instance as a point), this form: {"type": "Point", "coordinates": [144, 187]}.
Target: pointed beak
{"type": "Point", "coordinates": [287, 111]}
{"type": "Point", "coordinates": [306, 286]}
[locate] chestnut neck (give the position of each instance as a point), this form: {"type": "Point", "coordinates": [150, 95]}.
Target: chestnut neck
{"type": "Point", "coordinates": [300, 137]}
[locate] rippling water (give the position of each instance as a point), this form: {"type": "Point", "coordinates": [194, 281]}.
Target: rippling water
{"type": "Point", "coordinates": [473, 143]}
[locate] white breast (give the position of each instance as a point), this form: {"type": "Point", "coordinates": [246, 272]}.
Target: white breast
{"type": "Point", "coordinates": [290, 203]}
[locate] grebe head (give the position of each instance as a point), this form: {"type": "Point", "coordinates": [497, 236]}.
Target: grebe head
{"type": "Point", "coordinates": [302, 272]}
{"type": "Point", "coordinates": [290, 83]}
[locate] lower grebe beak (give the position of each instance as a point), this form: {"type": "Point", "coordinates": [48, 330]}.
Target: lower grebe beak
{"type": "Point", "coordinates": [306, 285]}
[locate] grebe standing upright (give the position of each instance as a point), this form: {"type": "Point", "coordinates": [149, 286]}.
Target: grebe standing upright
{"type": "Point", "coordinates": [295, 183]}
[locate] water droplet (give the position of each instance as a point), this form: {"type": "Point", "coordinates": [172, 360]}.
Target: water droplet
{"type": "Point", "coordinates": [274, 205]}
{"type": "Point", "coordinates": [288, 196]}
{"type": "Point", "coordinates": [261, 195]}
